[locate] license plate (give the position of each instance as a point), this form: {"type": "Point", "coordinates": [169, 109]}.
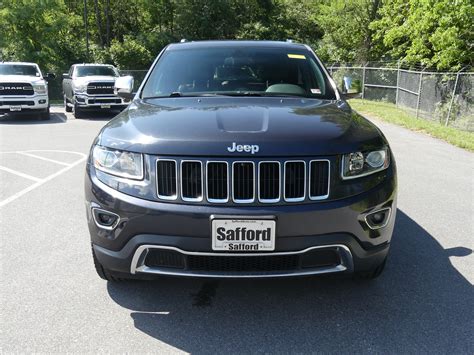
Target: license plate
{"type": "Point", "coordinates": [15, 108]}
{"type": "Point", "coordinates": [243, 235]}
{"type": "Point", "coordinates": [104, 106]}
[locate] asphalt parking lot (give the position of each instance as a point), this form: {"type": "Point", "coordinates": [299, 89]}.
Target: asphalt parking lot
{"type": "Point", "coordinates": [53, 301]}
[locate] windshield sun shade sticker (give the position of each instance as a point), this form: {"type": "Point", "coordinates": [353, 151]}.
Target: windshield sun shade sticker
{"type": "Point", "coordinates": [296, 56]}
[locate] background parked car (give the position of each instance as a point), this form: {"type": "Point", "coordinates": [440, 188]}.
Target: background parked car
{"type": "Point", "coordinates": [23, 89]}
{"type": "Point", "coordinates": [91, 87]}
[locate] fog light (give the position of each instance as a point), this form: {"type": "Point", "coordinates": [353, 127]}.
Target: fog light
{"type": "Point", "coordinates": [105, 219]}
{"type": "Point", "coordinates": [378, 219]}
{"type": "Point", "coordinates": [42, 101]}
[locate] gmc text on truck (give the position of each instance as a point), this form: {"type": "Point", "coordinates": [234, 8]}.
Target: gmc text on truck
{"type": "Point", "coordinates": [24, 90]}
{"type": "Point", "coordinates": [239, 159]}
{"type": "Point", "coordinates": [91, 87]}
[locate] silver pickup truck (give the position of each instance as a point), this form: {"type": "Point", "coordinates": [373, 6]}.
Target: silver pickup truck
{"type": "Point", "coordinates": [91, 87]}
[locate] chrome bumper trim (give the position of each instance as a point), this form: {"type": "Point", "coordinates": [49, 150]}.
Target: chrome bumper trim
{"type": "Point", "coordinates": [138, 266]}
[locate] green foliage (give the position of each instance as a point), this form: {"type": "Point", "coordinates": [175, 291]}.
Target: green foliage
{"type": "Point", "coordinates": [436, 33]}
{"type": "Point", "coordinates": [57, 33]}
{"type": "Point", "coordinates": [130, 53]}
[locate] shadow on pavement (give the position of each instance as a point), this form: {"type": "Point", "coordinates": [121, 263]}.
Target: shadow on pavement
{"type": "Point", "coordinates": [29, 119]}
{"type": "Point", "coordinates": [98, 115]}
{"type": "Point", "coordinates": [421, 303]}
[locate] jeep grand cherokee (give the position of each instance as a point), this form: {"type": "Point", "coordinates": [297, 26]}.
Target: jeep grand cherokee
{"type": "Point", "coordinates": [239, 159]}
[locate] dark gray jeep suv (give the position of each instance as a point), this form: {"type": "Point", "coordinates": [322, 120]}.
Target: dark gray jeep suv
{"type": "Point", "coordinates": [239, 159]}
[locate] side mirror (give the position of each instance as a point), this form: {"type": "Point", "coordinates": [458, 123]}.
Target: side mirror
{"type": "Point", "coordinates": [66, 76]}
{"type": "Point", "coordinates": [351, 88]}
{"type": "Point", "coordinates": [124, 87]}
{"type": "Point", "coordinates": [351, 95]}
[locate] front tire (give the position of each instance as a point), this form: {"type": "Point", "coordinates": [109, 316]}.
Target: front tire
{"type": "Point", "coordinates": [371, 274]}
{"type": "Point", "coordinates": [67, 108]}
{"type": "Point", "coordinates": [77, 111]}
{"type": "Point", "coordinates": [103, 273]}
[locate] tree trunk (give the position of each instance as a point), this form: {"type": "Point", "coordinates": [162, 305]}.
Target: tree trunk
{"type": "Point", "coordinates": [99, 22]}
{"type": "Point", "coordinates": [107, 17]}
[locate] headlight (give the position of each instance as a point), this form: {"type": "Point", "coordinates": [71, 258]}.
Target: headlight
{"type": "Point", "coordinates": [40, 88]}
{"type": "Point", "coordinates": [79, 87]}
{"type": "Point", "coordinates": [364, 163]}
{"type": "Point", "coordinates": [119, 163]}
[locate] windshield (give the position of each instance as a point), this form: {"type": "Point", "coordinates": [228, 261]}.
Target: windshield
{"type": "Point", "coordinates": [238, 71]}
{"type": "Point", "coordinates": [18, 69]}
{"type": "Point", "coordinates": [90, 70]}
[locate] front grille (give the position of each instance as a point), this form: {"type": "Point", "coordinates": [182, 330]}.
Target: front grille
{"type": "Point", "coordinates": [171, 259]}
{"type": "Point", "coordinates": [242, 182]}
{"type": "Point", "coordinates": [100, 88]}
{"type": "Point", "coordinates": [20, 89]}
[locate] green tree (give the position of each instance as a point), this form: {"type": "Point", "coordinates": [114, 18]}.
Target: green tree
{"type": "Point", "coordinates": [436, 33]}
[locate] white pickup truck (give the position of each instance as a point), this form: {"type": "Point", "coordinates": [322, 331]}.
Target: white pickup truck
{"type": "Point", "coordinates": [91, 87]}
{"type": "Point", "coordinates": [23, 89]}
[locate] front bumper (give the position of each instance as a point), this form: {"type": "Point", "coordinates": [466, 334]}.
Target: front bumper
{"type": "Point", "coordinates": [85, 101]}
{"type": "Point", "coordinates": [10, 104]}
{"type": "Point", "coordinates": [334, 226]}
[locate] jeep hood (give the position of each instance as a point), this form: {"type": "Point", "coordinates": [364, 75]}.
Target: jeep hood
{"type": "Point", "coordinates": [207, 126]}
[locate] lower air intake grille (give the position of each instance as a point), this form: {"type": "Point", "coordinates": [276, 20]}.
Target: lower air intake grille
{"type": "Point", "coordinates": [316, 258]}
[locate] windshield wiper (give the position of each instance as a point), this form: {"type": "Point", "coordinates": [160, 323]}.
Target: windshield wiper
{"type": "Point", "coordinates": [178, 94]}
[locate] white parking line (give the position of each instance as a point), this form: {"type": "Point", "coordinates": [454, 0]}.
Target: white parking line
{"type": "Point", "coordinates": [39, 182]}
{"type": "Point", "coordinates": [18, 173]}
{"type": "Point", "coordinates": [43, 158]}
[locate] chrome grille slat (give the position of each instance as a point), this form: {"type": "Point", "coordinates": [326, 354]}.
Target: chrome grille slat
{"type": "Point", "coordinates": [191, 180]}
{"type": "Point", "coordinates": [295, 181]}
{"type": "Point", "coordinates": [217, 181]}
{"type": "Point", "coordinates": [167, 183]}
{"type": "Point", "coordinates": [243, 182]}
{"type": "Point", "coordinates": [269, 181]}
{"type": "Point", "coordinates": [319, 178]}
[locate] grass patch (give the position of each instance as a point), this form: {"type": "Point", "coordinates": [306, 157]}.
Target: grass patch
{"type": "Point", "coordinates": [390, 113]}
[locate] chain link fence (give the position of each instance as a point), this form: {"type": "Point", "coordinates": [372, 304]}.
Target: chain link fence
{"type": "Point", "coordinates": [445, 97]}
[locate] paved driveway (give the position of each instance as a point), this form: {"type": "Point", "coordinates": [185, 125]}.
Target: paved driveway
{"type": "Point", "coordinates": [52, 300]}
